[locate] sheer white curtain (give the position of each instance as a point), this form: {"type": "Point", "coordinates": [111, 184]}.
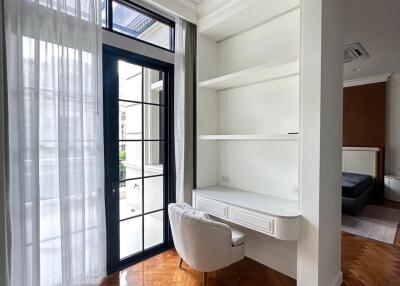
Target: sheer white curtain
{"type": "Point", "coordinates": [179, 108]}
{"type": "Point", "coordinates": [56, 143]}
{"type": "Point", "coordinates": [185, 88]}
{"type": "Point", "coordinates": [4, 190]}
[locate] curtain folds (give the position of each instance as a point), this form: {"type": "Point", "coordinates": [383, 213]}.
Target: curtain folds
{"type": "Point", "coordinates": [56, 142]}
{"type": "Point", "coordinates": [184, 101]}
{"type": "Point", "coordinates": [4, 169]}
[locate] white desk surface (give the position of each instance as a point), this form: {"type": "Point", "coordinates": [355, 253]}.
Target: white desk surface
{"type": "Point", "coordinates": [269, 205]}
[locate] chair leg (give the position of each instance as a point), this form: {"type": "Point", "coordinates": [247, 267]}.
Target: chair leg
{"type": "Point", "coordinates": [180, 263]}
{"type": "Point", "coordinates": [204, 278]}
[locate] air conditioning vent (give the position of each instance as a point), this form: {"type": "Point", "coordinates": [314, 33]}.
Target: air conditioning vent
{"type": "Point", "coordinates": [354, 51]}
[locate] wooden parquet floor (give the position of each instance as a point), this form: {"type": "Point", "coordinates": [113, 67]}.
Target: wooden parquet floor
{"type": "Point", "coordinates": [365, 262]}
{"type": "Point", "coordinates": [163, 270]}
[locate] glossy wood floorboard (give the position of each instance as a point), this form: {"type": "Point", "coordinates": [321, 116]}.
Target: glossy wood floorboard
{"type": "Point", "coordinates": [163, 270]}
{"type": "Point", "coordinates": [365, 262]}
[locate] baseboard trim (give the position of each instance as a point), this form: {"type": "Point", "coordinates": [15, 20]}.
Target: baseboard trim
{"type": "Point", "coordinates": [338, 279]}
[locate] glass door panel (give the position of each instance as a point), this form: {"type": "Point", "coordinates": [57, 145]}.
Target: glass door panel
{"type": "Point", "coordinates": [130, 120]}
{"type": "Point", "coordinates": [140, 113]}
{"type": "Point", "coordinates": [153, 231]}
{"type": "Point", "coordinates": [137, 205]}
{"type": "Point", "coordinates": [130, 160]}
{"type": "Point", "coordinates": [130, 199]}
{"type": "Point", "coordinates": [131, 238]}
{"type": "Point", "coordinates": [153, 196]}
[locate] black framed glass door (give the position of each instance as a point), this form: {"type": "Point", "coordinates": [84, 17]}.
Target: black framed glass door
{"type": "Point", "coordinates": [138, 132]}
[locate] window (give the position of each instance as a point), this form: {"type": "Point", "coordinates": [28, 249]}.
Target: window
{"type": "Point", "coordinates": [133, 21]}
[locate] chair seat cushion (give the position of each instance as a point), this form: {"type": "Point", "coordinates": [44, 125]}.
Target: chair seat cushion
{"type": "Point", "coordinates": [238, 237]}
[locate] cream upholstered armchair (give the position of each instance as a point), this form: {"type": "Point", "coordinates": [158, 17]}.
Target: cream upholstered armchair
{"type": "Point", "coordinates": [204, 244]}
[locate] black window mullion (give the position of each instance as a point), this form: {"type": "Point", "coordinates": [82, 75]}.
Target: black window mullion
{"type": "Point", "coordinates": [109, 19]}
{"type": "Point", "coordinates": [145, 177]}
{"type": "Point", "coordinates": [143, 158]}
{"type": "Point", "coordinates": [142, 214]}
{"type": "Point", "coordinates": [143, 102]}
{"type": "Point", "coordinates": [140, 140]}
{"type": "Point", "coordinates": [172, 37]}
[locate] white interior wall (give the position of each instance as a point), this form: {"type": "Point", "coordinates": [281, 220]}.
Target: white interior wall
{"type": "Point", "coordinates": [319, 248]}
{"type": "Point", "coordinates": [392, 151]}
{"type": "Point", "coordinates": [276, 254]}
{"type": "Point", "coordinates": [207, 58]}
{"type": "Point", "coordinates": [275, 40]}
{"type": "Point", "coordinates": [266, 167]}
{"type": "Point", "coordinates": [207, 151]}
{"type": "Point", "coordinates": [207, 104]}
{"type": "Point", "coordinates": [269, 107]}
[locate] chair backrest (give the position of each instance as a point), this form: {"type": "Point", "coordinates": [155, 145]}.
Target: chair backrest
{"type": "Point", "coordinates": [203, 243]}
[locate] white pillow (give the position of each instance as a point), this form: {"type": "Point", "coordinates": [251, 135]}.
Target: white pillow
{"type": "Point", "coordinates": [194, 212]}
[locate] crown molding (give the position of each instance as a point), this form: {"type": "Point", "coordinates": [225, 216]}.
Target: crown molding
{"type": "Point", "coordinates": [207, 7]}
{"type": "Point", "coordinates": [367, 80]}
{"type": "Point", "coordinates": [184, 9]}
{"type": "Point", "coordinates": [192, 10]}
{"type": "Point", "coordinates": [192, 4]}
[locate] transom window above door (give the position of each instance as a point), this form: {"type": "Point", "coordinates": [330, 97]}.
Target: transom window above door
{"type": "Point", "coordinates": [131, 20]}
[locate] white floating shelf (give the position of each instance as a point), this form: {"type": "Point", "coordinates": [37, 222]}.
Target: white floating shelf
{"type": "Point", "coordinates": [267, 72]}
{"type": "Point", "coordinates": [252, 137]}
{"type": "Point", "coordinates": [234, 16]}
{"type": "Point", "coordinates": [157, 86]}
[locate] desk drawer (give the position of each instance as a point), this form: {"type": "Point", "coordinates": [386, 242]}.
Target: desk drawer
{"type": "Point", "coordinates": [211, 206]}
{"type": "Point", "coordinates": [253, 220]}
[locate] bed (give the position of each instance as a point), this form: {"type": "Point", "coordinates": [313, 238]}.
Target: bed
{"type": "Point", "coordinates": [359, 173]}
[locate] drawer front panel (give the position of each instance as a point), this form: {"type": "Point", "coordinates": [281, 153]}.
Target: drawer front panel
{"type": "Point", "coordinates": [253, 220]}
{"type": "Point", "coordinates": [211, 206]}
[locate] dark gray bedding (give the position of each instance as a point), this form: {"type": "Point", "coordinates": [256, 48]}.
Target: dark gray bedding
{"type": "Point", "coordinates": [354, 184]}
{"type": "Point", "coordinates": [357, 191]}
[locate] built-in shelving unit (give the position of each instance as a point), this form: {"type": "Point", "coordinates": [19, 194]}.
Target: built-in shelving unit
{"type": "Point", "coordinates": [248, 115]}
{"type": "Point", "coordinates": [238, 16]}
{"type": "Point", "coordinates": [266, 72]}
{"type": "Point", "coordinates": [252, 137]}
{"type": "Point", "coordinates": [157, 86]}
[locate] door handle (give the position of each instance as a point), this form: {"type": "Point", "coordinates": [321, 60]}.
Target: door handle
{"type": "Point", "coordinates": [114, 188]}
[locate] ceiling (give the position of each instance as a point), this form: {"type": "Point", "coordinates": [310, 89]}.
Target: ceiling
{"type": "Point", "coordinates": [376, 25]}
{"type": "Point", "coordinates": [373, 23]}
